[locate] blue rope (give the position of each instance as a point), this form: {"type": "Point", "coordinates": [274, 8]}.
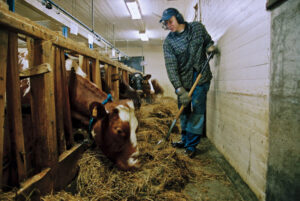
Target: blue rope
{"type": "Point", "coordinates": [109, 98]}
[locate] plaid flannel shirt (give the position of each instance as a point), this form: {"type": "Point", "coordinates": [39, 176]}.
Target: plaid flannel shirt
{"type": "Point", "coordinates": [185, 53]}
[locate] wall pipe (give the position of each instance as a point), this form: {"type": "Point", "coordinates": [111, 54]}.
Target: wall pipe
{"type": "Point", "coordinates": [85, 26]}
{"type": "Point", "coordinates": [93, 15]}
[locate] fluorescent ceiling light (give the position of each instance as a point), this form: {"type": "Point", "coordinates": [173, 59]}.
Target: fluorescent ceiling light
{"type": "Point", "coordinates": [134, 9]}
{"type": "Point", "coordinates": [144, 36]}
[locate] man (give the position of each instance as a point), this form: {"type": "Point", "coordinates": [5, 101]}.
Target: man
{"type": "Point", "coordinates": [185, 50]}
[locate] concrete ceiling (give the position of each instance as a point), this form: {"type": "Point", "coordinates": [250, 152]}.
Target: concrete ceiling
{"type": "Point", "coordinates": [111, 18]}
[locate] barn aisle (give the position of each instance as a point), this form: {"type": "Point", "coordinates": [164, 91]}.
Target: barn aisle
{"type": "Point", "coordinates": [165, 173]}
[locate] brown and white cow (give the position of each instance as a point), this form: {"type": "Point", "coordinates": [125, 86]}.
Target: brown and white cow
{"type": "Point", "coordinates": [150, 88]}
{"type": "Point", "coordinates": [115, 128]}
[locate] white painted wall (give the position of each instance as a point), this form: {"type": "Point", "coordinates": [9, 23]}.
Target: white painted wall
{"type": "Point", "coordinates": [155, 65]}
{"type": "Point", "coordinates": [238, 99]}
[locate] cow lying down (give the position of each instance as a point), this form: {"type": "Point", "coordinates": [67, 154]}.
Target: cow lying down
{"type": "Point", "coordinates": [114, 124]}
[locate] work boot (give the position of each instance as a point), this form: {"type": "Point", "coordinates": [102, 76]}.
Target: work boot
{"type": "Point", "coordinates": [190, 153]}
{"type": "Point", "coordinates": [179, 144]}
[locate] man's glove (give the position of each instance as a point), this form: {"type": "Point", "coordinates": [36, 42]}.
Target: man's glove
{"type": "Point", "coordinates": [212, 49]}
{"type": "Point", "coordinates": [183, 96]}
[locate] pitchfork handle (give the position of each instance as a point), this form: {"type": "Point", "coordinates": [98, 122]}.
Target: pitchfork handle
{"type": "Point", "coordinates": [194, 85]}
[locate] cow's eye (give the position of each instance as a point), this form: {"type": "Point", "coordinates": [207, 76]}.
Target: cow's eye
{"type": "Point", "coordinates": [118, 130]}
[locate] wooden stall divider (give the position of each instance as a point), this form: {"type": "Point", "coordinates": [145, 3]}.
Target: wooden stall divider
{"type": "Point", "coordinates": [88, 68]}
{"type": "Point", "coordinates": [125, 76]}
{"type": "Point", "coordinates": [115, 88]}
{"type": "Point", "coordinates": [44, 105]}
{"type": "Point", "coordinates": [3, 67]}
{"type": "Point", "coordinates": [68, 128]}
{"type": "Point", "coordinates": [96, 73]}
{"type": "Point", "coordinates": [14, 110]}
{"type": "Point", "coordinates": [58, 82]}
{"type": "Point", "coordinates": [43, 108]}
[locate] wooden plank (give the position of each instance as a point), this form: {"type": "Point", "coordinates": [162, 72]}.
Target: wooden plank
{"type": "Point", "coordinates": [3, 5]}
{"type": "Point", "coordinates": [59, 102]}
{"type": "Point", "coordinates": [67, 108]}
{"type": "Point", "coordinates": [87, 66]}
{"type": "Point", "coordinates": [14, 108]}
{"type": "Point", "coordinates": [96, 73]}
{"type": "Point", "coordinates": [115, 84]}
{"type": "Point", "coordinates": [81, 62]}
{"type": "Point", "coordinates": [108, 77]}
{"type": "Point", "coordinates": [34, 71]}
{"type": "Point", "coordinates": [43, 108]}
{"type": "Point", "coordinates": [30, 49]}
{"type": "Point", "coordinates": [61, 175]}
{"type": "Point", "coordinates": [3, 67]}
{"type": "Point", "coordinates": [125, 76]}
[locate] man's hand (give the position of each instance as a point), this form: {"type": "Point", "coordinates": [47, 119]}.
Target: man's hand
{"type": "Point", "coordinates": [212, 49]}
{"type": "Point", "coordinates": [183, 96]}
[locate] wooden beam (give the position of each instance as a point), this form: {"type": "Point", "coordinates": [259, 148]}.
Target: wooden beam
{"type": "Point", "coordinates": [34, 71]}
{"type": "Point", "coordinates": [43, 108]}
{"type": "Point", "coordinates": [3, 5]}
{"type": "Point", "coordinates": [125, 76]}
{"type": "Point", "coordinates": [61, 175]}
{"type": "Point", "coordinates": [14, 108]}
{"type": "Point", "coordinates": [108, 70]}
{"type": "Point", "coordinates": [66, 102]}
{"type": "Point", "coordinates": [115, 84]}
{"type": "Point", "coordinates": [59, 102]}
{"type": "Point", "coordinates": [30, 49]}
{"type": "Point", "coordinates": [3, 67]}
{"type": "Point", "coordinates": [96, 73]}
{"type": "Point", "coordinates": [87, 67]}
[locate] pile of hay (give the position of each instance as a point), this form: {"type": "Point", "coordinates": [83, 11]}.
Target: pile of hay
{"type": "Point", "coordinates": [163, 173]}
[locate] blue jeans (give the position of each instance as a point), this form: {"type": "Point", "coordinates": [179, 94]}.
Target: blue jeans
{"type": "Point", "coordinates": [192, 117]}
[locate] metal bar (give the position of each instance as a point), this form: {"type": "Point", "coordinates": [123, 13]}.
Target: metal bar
{"type": "Point", "coordinates": [11, 4]}
{"type": "Point", "coordinates": [93, 22]}
{"type": "Point", "coordinates": [65, 31]}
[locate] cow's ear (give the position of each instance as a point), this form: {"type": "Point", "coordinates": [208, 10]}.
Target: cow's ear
{"type": "Point", "coordinates": [147, 77]}
{"type": "Point", "coordinates": [97, 110]}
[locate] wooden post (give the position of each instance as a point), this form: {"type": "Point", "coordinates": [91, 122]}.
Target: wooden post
{"type": "Point", "coordinates": [87, 65]}
{"type": "Point", "coordinates": [108, 77]}
{"type": "Point", "coordinates": [3, 67]}
{"type": "Point", "coordinates": [96, 73]}
{"type": "Point", "coordinates": [125, 76]}
{"type": "Point", "coordinates": [59, 102]}
{"type": "Point", "coordinates": [116, 83]}
{"type": "Point", "coordinates": [81, 63]}
{"type": "Point", "coordinates": [84, 65]}
{"type": "Point", "coordinates": [30, 48]}
{"type": "Point", "coordinates": [66, 104]}
{"type": "Point", "coordinates": [14, 108]}
{"type": "Point", "coordinates": [43, 108]}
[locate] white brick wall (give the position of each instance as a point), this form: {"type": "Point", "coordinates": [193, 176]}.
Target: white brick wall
{"type": "Point", "coordinates": [238, 100]}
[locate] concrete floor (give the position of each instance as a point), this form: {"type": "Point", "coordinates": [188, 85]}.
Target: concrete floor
{"type": "Point", "coordinates": [217, 180]}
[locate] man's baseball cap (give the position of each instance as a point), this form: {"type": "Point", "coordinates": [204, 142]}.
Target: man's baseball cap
{"type": "Point", "coordinates": [168, 13]}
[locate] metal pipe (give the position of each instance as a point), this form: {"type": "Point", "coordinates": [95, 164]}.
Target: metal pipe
{"type": "Point", "coordinates": [85, 26]}
{"type": "Point", "coordinates": [93, 15]}
{"type": "Point", "coordinates": [11, 4]}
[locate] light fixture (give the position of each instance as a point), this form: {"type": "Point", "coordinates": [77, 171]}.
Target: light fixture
{"type": "Point", "coordinates": [134, 9]}
{"type": "Point", "coordinates": [143, 36]}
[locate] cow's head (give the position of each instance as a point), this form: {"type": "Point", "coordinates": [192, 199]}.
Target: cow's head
{"type": "Point", "coordinates": [140, 83]}
{"type": "Point", "coordinates": [115, 132]}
